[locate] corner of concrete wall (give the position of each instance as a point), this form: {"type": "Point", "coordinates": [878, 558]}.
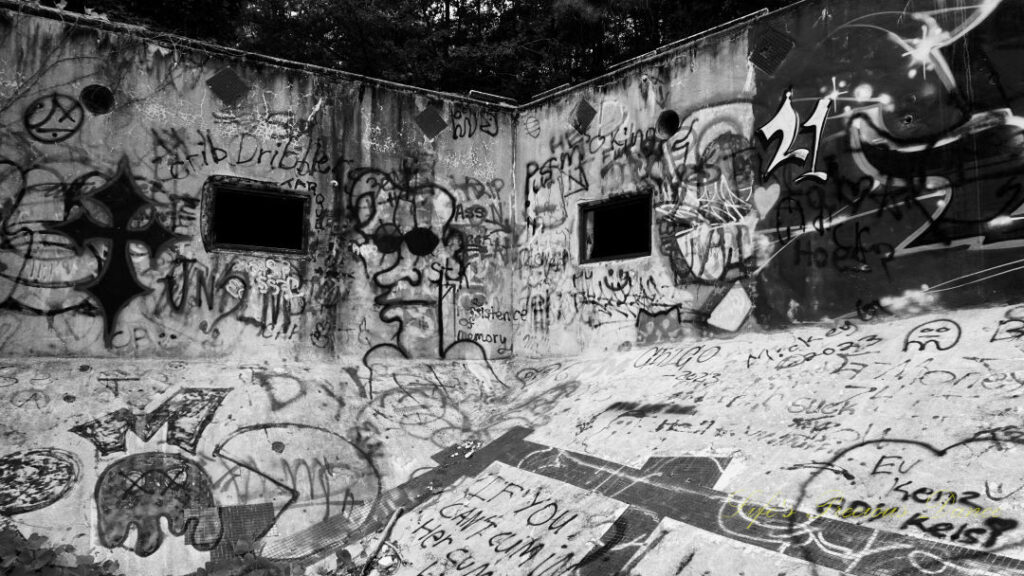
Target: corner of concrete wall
{"type": "Point", "coordinates": [812, 373]}
{"type": "Point", "coordinates": [622, 135]}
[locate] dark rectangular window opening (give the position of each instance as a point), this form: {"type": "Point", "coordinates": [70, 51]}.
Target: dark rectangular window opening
{"type": "Point", "coordinates": [618, 228]}
{"type": "Point", "coordinates": [253, 216]}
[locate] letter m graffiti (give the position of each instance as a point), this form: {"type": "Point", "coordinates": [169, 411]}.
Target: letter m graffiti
{"type": "Point", "coordinates": [186, 414]}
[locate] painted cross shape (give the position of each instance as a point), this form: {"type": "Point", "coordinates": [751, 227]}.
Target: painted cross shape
{"type": "Point", "coordinates": [116, 282]}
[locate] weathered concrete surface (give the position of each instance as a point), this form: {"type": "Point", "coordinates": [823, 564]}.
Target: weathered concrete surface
{"type": "Point", "coordinates": [816, 370]}
{"type": "Point", "coordinates": [547, 457]}
{"type": "Point", "coordinates": [81, 106]}
{"type": "Point", "coordinates": [905, 450]}
{"type": "Point", "coordinates": [833, 160]}
{"type": "Point", "coordinates": [441, 227]}
{"type": "Point", "coordinates": [573, 307]}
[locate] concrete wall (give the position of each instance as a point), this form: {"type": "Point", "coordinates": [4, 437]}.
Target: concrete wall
{"type": "Point", "coordinates": [603, 141]}
{"type": "Point", "coordinates": [809, 375]}
{"type": "Point", "coordinates": [906, 199]}
{"type": "Point", "coordinates": [92, 117]}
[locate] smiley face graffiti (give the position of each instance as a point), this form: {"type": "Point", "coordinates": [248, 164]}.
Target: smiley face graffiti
{"type": "Point", "coordinates": [943, 334]}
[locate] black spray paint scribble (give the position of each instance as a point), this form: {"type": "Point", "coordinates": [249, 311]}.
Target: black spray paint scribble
{"type": "Point", "coordinates": [34, 479]}
{"type": "Point", "coordinates": [415, 259]}
{"type": "Point", "coordinates": [186, 413]}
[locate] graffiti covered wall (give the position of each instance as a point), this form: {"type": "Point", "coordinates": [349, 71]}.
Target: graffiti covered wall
{"type": "Point", "coordinates": [113, 146]}
{"type": "Point", "coordinates": [678, 131]}
{"type": "Point", "coordinates": [815, 370]}
{"type": "Point", "coordinates": [825, 162]}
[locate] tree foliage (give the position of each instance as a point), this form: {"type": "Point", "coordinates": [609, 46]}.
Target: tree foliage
{"type": "Point", "coordinates": [515, 48]}
{"type": "Point", "coordinates": [35, 556]}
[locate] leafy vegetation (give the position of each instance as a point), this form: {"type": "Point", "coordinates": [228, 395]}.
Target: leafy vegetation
{"type": "Point", "coordinates": [34, 556]}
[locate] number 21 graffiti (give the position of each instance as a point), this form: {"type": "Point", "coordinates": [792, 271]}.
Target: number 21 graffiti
{"type": "Point", "coordinates": [786, 125]}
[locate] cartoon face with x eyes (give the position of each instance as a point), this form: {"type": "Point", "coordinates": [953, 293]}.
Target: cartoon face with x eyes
{"type": "Point", "coordinates": [409, 251]}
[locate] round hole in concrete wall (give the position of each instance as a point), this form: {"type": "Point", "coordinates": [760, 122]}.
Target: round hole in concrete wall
{"type": "Point", "coordinates": [97, 99]}
{"type": "Point", "coordinates": [668, 123]}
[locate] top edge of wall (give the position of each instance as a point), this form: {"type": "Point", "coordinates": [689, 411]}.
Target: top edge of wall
{"type": "Point", "coordinates": [175, 41]}
{"type": "Point", "coordinates": [664, 52]}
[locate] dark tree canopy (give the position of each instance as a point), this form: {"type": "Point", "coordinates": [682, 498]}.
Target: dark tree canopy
{"type": "Point", "coordinates": [514, 48]}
